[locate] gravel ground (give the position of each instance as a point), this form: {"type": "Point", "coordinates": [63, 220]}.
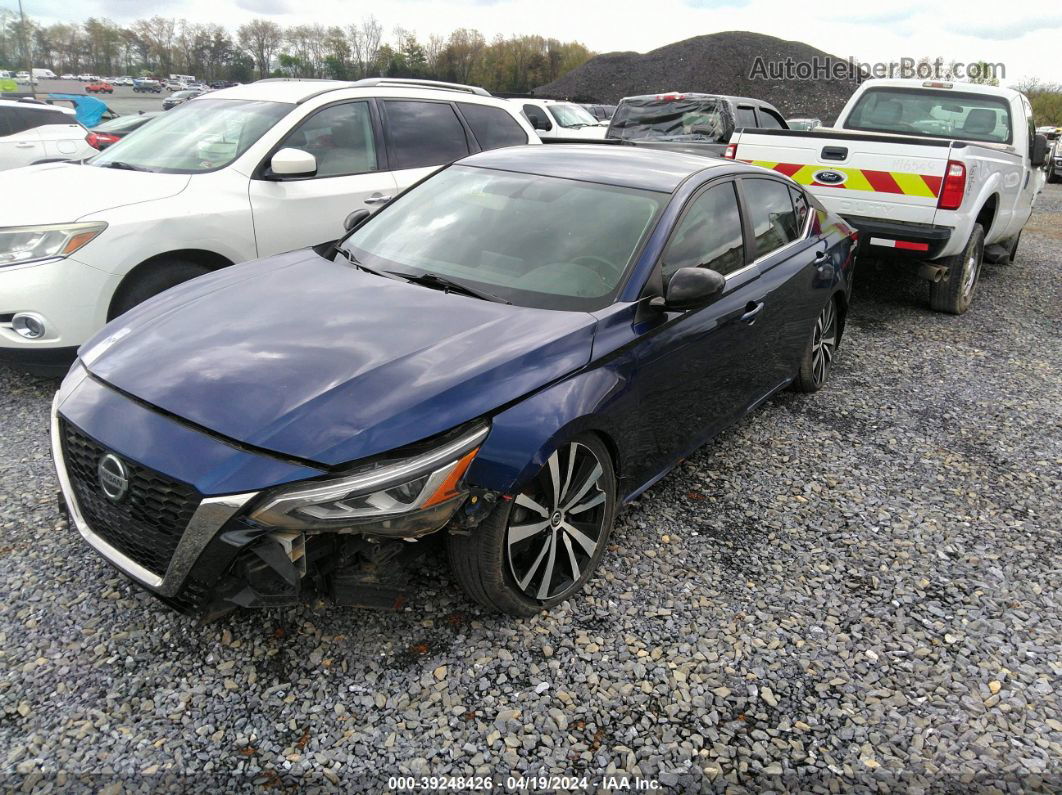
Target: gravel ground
{"type": "Point", "coordinates": [857, 590]}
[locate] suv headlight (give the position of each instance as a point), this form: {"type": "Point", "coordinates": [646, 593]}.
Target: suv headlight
{"type": "Point", "coordinates": [20, 244]}
{"type": "Point", "coordinates": [401, 495]}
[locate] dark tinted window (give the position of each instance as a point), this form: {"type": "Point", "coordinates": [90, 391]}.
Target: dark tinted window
{"type": "Point", "coordinates": [746, 117]}
{"type": "Point", "coordinates": [539, 118]}
{"type": "Point", "coordinates": [773, 217]}
{"type": "Point", "coordinates": [768, 121]}
{"type": "Point", "coordinates": [800, 204]}
{"type": "Point", "coordinates": [424, 134]}
{"type": "Point", "coordinates": [493, 127]}
{"type": "Point", "coordinates": [709, 234]}
{"type": "Point", "coordinates": [340, 137]}
{"type": "Point", "coordinates": [5, 125]}
{"type": "Point", "coordinates": [22, 119]}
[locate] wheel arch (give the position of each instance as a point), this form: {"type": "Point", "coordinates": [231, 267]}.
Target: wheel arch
{"type": "Point", "coordinates": [986, 216]}
{"type": "Point", "coordinates": [210, 260]}
{"type": "Point", "coordinates": [524, 435]}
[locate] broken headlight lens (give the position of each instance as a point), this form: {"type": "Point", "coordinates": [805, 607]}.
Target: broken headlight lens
{"type": "Point", "coordinates": [388, 496]}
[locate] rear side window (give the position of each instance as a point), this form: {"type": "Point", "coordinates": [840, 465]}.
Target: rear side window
{"type": "Point", "coordinates": [5, 125]}
{"type": "Point", "coordinates": [493, 127]}
{"type": "Point", "coordinates": [774, 222]}
{"type": "Point", "coordinates": [22, 119]}
{"type": "Point", "coordinates": [746, 117]}
{"type": "Point", "coordinates": [768, 121]}
{"type": "Point", "coordinates": [708, 235]}
{"type": "Point", "coordinates": [424, 133]}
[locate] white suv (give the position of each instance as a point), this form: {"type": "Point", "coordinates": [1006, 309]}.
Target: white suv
{"type": "Point", "coordinates": [232, 175]}
{"type": "Point", "coordinates": [554, 119]}
{"type": "Point", "coordinates": [30, 131]}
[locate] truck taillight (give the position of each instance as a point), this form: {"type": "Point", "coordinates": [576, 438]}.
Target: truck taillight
{"type": "Point", "coordinates": [731, 151]}
{"type": "Point", "coordinates": [954, 186]}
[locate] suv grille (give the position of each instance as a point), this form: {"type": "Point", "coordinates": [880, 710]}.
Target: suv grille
{"type": "Point", "coordinates": [148, 523]}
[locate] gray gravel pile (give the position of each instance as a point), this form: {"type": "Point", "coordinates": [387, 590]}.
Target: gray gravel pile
{"type": "Point", "coordinates": [858, 589]}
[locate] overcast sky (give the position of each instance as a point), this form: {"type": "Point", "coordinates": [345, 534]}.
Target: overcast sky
{"type": "Point", "coordinates": [1025, 36]}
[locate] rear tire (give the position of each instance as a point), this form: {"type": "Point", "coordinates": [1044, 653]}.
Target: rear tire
{"type": "Point", "coordinates": [955, 293]}
{"type": "Point", "coordinates": [821, 349]}
{"type": "Point", "coordinates": [162, 275]}
{"type": "Point", "coordinates": [540, 548]}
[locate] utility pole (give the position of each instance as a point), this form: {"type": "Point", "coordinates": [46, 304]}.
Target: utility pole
{"type": "Point", "coordinates": [26, 49]}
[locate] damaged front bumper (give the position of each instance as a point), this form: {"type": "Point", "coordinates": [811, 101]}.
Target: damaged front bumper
{"type": "Point", "coordinates": [206, 555]}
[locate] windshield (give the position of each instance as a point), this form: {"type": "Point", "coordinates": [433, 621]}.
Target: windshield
{"type": "Point", "coordinates": [934, 114]}
{"type": "Point", "coordinates": [670, 120]}
{"type": "Point", "coordinates": [572, 115]}
{"type": "Point", "coordinates": [195, 137]}
{"type": "Point", "coordinates": [535, 241]}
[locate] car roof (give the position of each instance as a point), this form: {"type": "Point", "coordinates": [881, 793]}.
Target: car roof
{"type": "Point", "coordinates": [954, 85]}
{"type": "Point", "coordinates": [621, 165]}
{"type": "Point", "coordinates": [696, 95]}
{"type": "Point", "coordinates": [14, 103]}
{"type": "Point", "coordinates": [293, 91]}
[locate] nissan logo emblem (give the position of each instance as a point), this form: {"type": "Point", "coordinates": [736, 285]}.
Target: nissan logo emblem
{"type": "Point", "coordinates": [113, 477]}
{"type": "Point", "coordinates": [829, 177]}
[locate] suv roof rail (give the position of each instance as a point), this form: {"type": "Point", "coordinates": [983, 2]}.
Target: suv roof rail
{"type": "Point", "coordinates": [400, 82]}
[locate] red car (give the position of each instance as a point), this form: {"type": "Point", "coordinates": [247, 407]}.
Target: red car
{"type": "Point", "coordinates": [99, 88]}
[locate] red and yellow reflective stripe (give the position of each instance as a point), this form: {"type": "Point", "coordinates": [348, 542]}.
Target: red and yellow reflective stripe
{"type": "Point", "coordinates": [864, 179]}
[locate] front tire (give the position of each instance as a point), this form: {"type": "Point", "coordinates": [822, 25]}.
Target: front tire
{"type": "Point", "coordinates": [541, 547]}
{"type": "Point", "coordinates": [955, 293]}
{"type": "Point", "coordinates": [162, 275]}
{"type": "Point", "coordinates": [821, 349]}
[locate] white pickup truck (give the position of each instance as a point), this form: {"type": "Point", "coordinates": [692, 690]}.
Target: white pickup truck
{"type": "Point", "coordinates": [935, 175]}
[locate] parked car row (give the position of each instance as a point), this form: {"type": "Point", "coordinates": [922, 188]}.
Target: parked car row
{"type": "Point", "coordinates": [449, 328]}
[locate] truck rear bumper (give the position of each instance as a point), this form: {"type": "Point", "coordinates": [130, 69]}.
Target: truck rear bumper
{"type": "Point", "coordinates": [897, 239]}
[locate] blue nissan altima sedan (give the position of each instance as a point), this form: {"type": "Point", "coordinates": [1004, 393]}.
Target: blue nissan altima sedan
{"type": "Point", "coordinates": [506, 354]}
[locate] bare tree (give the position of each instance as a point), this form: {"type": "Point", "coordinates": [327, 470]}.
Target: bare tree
{"type": "Point", "coordinates": [261, 38]}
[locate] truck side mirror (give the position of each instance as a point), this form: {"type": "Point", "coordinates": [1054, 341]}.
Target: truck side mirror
{"type": "Point", "coordinates": [1038, 155]}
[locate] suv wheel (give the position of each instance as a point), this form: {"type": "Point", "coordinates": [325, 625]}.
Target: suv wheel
{"type": "Point", "coordinates": [162, 275]}
{"type": "Point", "coordinates": [537, 549]}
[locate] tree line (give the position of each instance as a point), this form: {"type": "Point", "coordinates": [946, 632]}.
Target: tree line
{"type": "Point", "coordinates": [263, 48]}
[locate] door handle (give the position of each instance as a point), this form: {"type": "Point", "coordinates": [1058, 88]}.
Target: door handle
{"type": "Point", "coordinates": [378, 199]}
{"type": "Point", "coordinates": [27, 145]}
{"type": "Point", "coordinates": [821, 258]}
{"type": "Point", "coordinates": [752, 311]}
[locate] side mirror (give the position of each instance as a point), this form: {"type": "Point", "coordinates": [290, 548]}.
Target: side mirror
{"type": "Point", "coordinates": [690, 288]}
{"type": "Point", "coordinates": [1038, 155]}
{"type": "Point", "coordinates": [539, 123]}
{"type": "Point", "coordinates": [292, 163]}
{"type": "Point", "coordinates": [355, 219]}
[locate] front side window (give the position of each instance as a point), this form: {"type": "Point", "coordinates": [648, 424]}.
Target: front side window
{"type": "Point", "coordinates": [538, 118]}
{"type": "Point", "coordinates": [709, 234]}
{"type": "Point", "coordinates": [537, 241]}
{"type": "Point", "coordinates": [774, 221]}
{"type": "Point", "coordinates": [424, 133]}
{"type": "Point", "coordinates": [340, 137]}
{"type": "Point", "coordinates": [932, 113]}
{"type": "Point", "coordinates": [195, 137]}
{"type": "Point", "coordinates": [493, 127]}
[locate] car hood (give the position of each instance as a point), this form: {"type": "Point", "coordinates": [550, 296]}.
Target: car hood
{"type": "Point", "coordinates": [313, 359]}
{"type": "Point", "coordinates": [63, 192]}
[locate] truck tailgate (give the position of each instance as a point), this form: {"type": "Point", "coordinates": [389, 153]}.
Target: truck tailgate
{"type": "Point", "coordinates": [892, 177]}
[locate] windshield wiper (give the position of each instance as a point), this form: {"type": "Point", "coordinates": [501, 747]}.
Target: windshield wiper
{"type": "Point", "coordinates": [124, 166]}
{"type": "Point", "coordinates": [357, 263]}
{"type": "Point", "coordinates": [429, 279]}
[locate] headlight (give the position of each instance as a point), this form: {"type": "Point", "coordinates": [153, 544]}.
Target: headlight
{"type": "Point", "coordinates": [27, 243]}
{"type": "Point", "coordinates": [402, 496]}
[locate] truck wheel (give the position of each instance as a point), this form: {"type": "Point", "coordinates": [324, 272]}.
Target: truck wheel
{"type": "Point", "coordinates": [162, 275]}
{"type": "Point", "coordinates": [536, 550]}
{"type": "Point", "coordinates": [954, 294]}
